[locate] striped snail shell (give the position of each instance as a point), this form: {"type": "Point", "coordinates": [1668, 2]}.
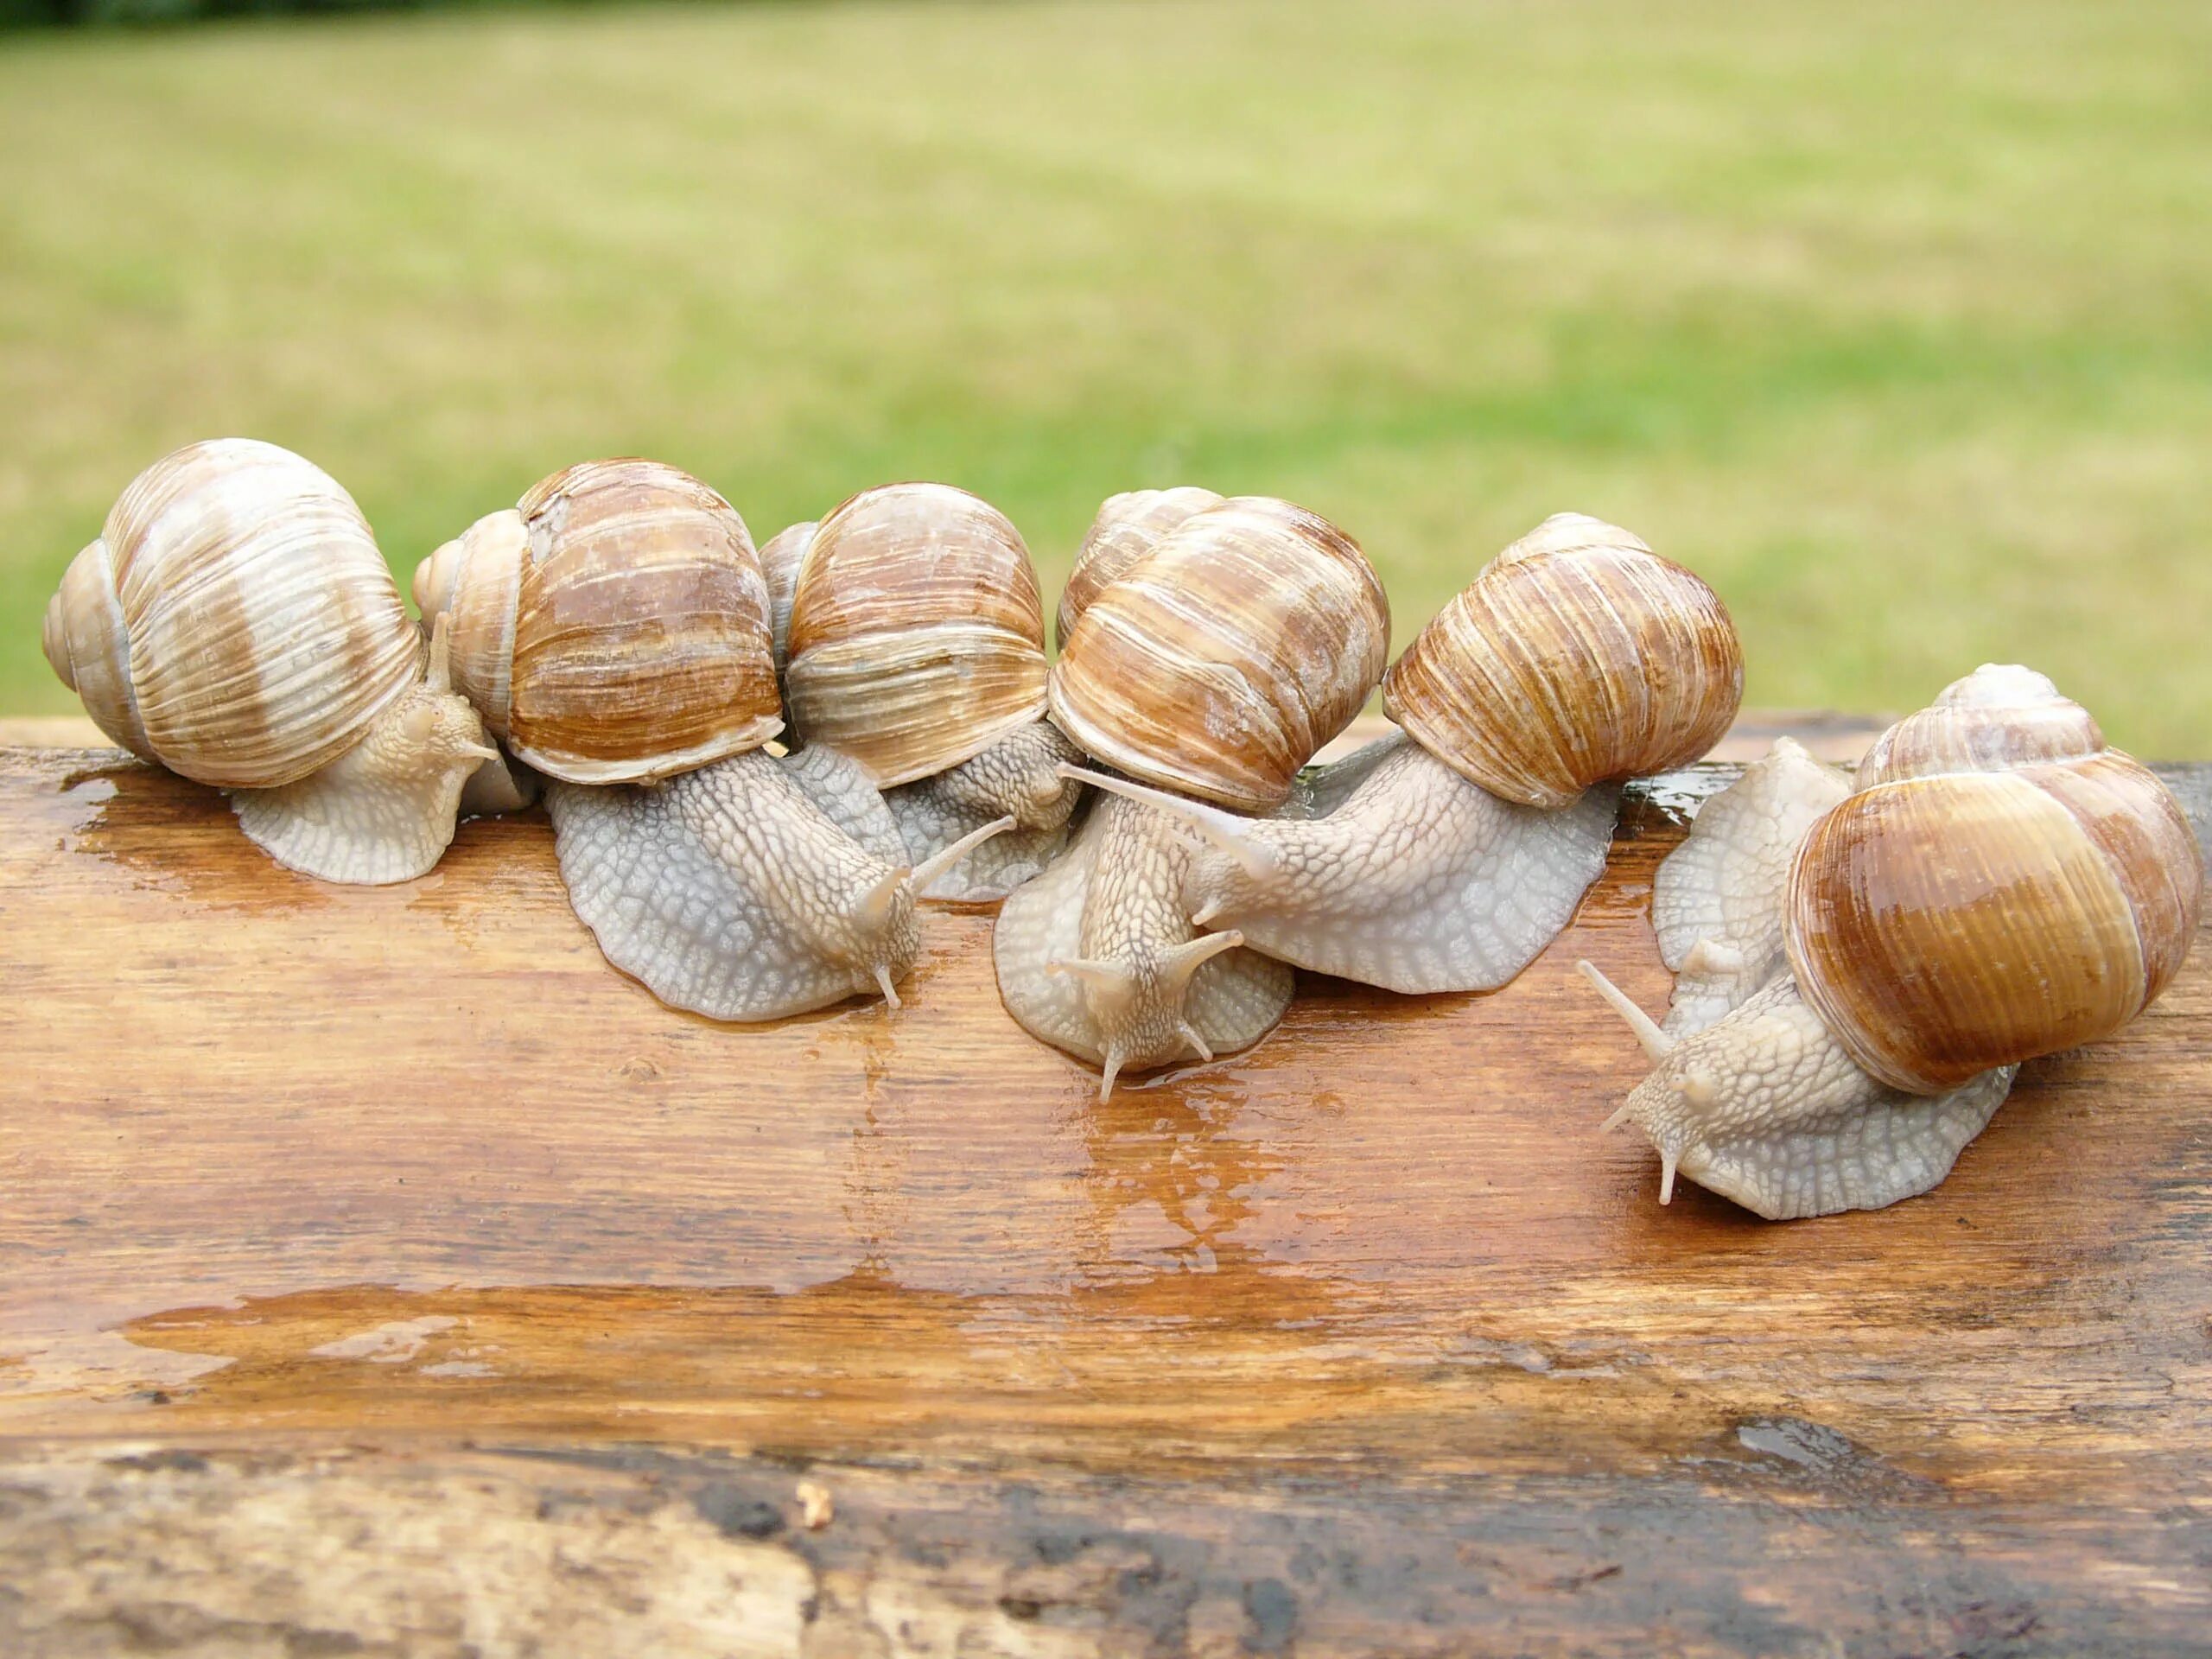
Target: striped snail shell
{"type": "Point", "coordinates": [2000, 885]}
{"type": "Point", "coordinates": [234, 622]}
{"type": "Point", "coordinates": [917, 631]}
{"type": "Point", "coordinates": [1577, 655]}
{"type": "Point", "coordinates": [780, 557]}
{"type": "Point", "coordinates": [1126, 529]}
{"type": "Point", "coordinates": [612, 627]}
{"type": "Point", "coordinates": [1216, 664]}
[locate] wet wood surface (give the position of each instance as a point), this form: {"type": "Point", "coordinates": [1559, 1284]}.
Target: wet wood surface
{"type": "Point", "coordinates": [380, 1272]}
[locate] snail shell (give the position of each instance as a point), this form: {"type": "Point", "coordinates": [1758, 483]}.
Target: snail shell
{"type": "Point", "coordinates": [2000, 885]}
{"type": "Point", "coordinates": [917, 631]}
{"type": "Point", "coordinates": [781, 555]}
{"type": "Point", "coordinates": [614, 627]}
{"type": "Point", "coordinates": [234, 622]}
{"type": "Point", "coordinates": [1127, 528]}
{"type": "Point", "coordinates": [1216, 664]}
{"type": "Point", "coordinates": [1576, 656]}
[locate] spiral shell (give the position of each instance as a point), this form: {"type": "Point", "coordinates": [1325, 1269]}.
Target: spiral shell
{"type": "Point", "coordinates": [613, 627]}
{"type": "Point", "coordinates": [917, 631]}
{"type": "Point", "coordinates": [1126, 529]}
{"type": "Point", "coordinates": [1216, 664]}
{"type": "Point", "coordinates": [781, 555]}
{"type": "Point", "coordinates": [1577, 655]}
{"type": "Point", "coordinates": [1982, 900]}
{"type": "Point", "coordinates": [235, 621]}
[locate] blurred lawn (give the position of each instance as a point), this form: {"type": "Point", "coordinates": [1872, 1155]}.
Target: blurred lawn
{"type": "Point", "coordinates": [1895, 321]}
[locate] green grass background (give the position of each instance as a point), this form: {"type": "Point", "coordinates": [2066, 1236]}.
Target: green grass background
{"type": "Point", "coordinates": [1895, 320]}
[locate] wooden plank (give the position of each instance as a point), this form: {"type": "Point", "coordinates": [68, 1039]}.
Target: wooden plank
{"type": "Point", "coordinates": [380, 1270]}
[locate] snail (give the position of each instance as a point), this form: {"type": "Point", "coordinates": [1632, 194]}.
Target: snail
{"type": "Point", "coordinates": [1213, 666]}
{"type": "Point", "coordinates": [916, 642]}
{"type": "Point", "coordinates": [613, 629]}
{"type": "Point", "coordinates": [235, 623]}
{"type": "Point", "coordinates": [1446, 856]}
{"type": "Point", "coordinates": [1874, 966]}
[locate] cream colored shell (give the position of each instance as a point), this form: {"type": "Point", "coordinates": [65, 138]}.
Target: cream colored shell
{"type": "Point", "coordinates": [235, 621]}
{"type": "Point", "coordinates": [1945, 922]}
{"type": "Point", "coordinates": [1577, 655]}
{"type": "Point", "coordinates": [613, 627]}
{"type": "Point", "coordinates": [917, 631]}
{"type": "Point", "coordinates": [1217, 662]}
{"type": "Point", "coordinates": [1125, 530]}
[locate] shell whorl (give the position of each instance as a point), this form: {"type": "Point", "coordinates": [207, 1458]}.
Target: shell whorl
{"type": "Point", "coordinates": [1127, 528]}
{"type": "Point", "coordinates": [1577, 655]}
{"type": "Point", "coordinates": [474, 582]}
{"type": "Point", "coordinates": [1216, 664]}
{"type": "Point", "coordinates": [613, 627]}
{"type": "Point", "coordinates": [781, 555]}
{"type": "Point", "coordinates": [234, 621]}
{"type": "Point", "coordinates": [1981, 900]}
{"type": "Point", "coordinates": [916, 635]}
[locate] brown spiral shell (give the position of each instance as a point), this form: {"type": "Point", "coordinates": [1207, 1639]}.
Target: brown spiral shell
{"type": "Point", "coordinates": [917, 631]}
{"type": "Point", "coordinates": [1974, 904]}
{"type": "Point", "coordinates": [1575, 656]}
{"type": "Point", "coordinates": [234, 621]}
{"type": "Point", "coordinates": [1125, 530]}
{"type": "Point", "coordinates": [1219, 662]}
{"type": "Point", "coordinates": [613, 627]}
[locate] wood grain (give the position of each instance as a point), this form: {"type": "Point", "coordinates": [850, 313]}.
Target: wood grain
{"type": "Point", "coordinates": [380, 1270]}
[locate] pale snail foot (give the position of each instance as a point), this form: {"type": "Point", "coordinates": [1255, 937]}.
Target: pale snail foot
{"type": "Point", "coordinates": [385, 810]}
{"type": "Point", "coordinates": [1094, 956]}
{"type": "Point", "coordinates": [1019, 776]}
{"type": "Point", "coordinates": [1717, 903]}
{"type": "Point", "coordinates": [1764, 1107]}
{"type": "Point", "coordinates": [728, 892]}
{"type": "Point", "coordinates": [841, 786]}
{"type": "Point", "coordinates": [1399, 874]}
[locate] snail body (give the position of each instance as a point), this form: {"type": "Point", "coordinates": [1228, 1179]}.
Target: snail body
{"type": "Point", "coordinates": [1213, 665]}
{"type": "Point", "coordinates": [1445, 858]}
{"type": "Point", "coordinates": [616, 630]}
{"type": "Point", "coordinates": [235, 624]}
{"type": "Point", "coordinates": [1997, 886]}
{"type": "Point", "coordinates": [916, 646]}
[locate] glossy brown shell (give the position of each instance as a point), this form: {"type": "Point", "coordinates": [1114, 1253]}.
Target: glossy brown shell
{"type": "Point", "coordinates": [1576, 656]}
{"type": "Point", "coordinates": [235, 621]}
{"type": "Point", "coordinates": [1216, 664]}
{"type": "Point", "coordinates": [917, 631]}
{"type": "Point", "coordinates": [1127, 528]}
{"type": "Point", "coordinates": [781, 555]}
{"type": "Point", "coordinates": [1942, 923]}
{"type": "Point", "coordinates": [626, 603]}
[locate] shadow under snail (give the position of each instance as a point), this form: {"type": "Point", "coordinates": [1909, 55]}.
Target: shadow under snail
{"type": "Point", "coordinates": [1864, 966]}
{"type": "Point", "coordinates": [235, 623]}
{"type": "Point", "coordinates": [613, 630]}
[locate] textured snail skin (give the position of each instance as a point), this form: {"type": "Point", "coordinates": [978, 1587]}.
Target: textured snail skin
{"type": "Point", "coordinates": [1097, 956]}
{"type": "Point", "coordinates": [1750, 1096]}
{"type": "Point", "coordinates": [1391, 869]}
{"type": "Point", "coordinates": [1714, 904]}
{"type": "Point", "coordinates": [385, 810]}
{"type": "Point", "coordinates": [1019, 776]}
{"type": "Point", "coordinates": [731, 891]}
